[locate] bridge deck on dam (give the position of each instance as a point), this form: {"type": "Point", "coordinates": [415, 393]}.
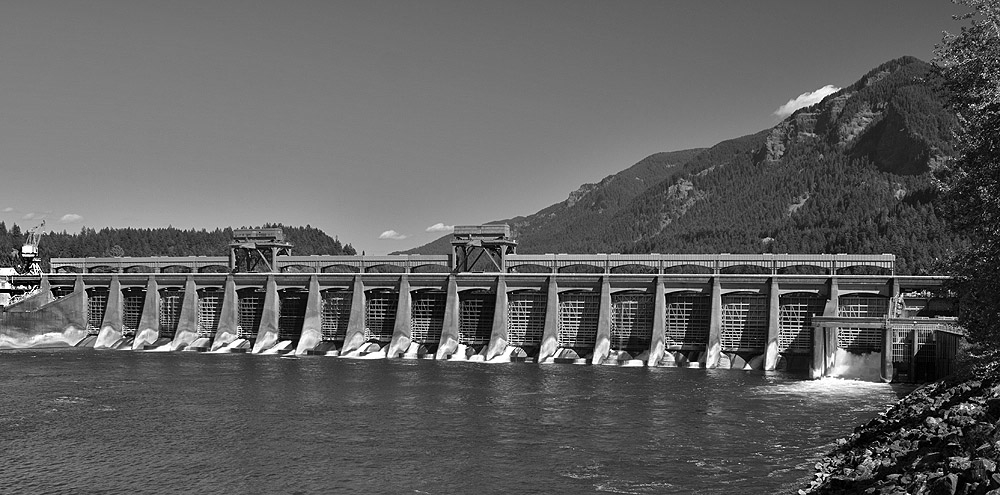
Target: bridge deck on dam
{"type": "Point", "coordinates": [741, 311]}
{"type": "Point", "coordinates": [512, 263]}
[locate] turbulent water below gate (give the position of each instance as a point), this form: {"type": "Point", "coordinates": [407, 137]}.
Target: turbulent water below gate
{"type": "Point", "coordinates": [84, 421]}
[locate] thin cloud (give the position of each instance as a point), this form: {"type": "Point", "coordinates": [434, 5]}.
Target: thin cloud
{"type": "Point", "coordinates": [805, 100]}
{"type": "Point", "coordinates": [30, 216]}
{"type": "Point", "coordinates": [391, 235]}
{"type": "Point", "coordinates": [8, 209]}
{"type": "Point", "coordinates": [440, 227]}
{"type": "Point", "coordinates": [70, 218]}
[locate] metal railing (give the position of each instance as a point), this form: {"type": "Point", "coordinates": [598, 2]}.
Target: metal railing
{"type": "Point", "coordinates": [552, 263]}
{"type": "Point", "coordinates": [771, 263]}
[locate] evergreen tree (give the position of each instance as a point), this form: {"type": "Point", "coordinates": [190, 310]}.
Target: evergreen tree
{"type": "Point", "coordinates": [970, 64]}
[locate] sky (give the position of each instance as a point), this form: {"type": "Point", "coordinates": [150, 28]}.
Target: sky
{"type": "Point", "coordinates": [384, 123]}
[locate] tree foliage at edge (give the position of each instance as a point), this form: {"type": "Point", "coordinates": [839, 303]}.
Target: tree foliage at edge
{"type": "Point", "coordinates": [970, 64]}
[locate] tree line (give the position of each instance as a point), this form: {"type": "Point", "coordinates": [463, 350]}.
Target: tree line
{"type": "Point", "coordinates": [169, 241]}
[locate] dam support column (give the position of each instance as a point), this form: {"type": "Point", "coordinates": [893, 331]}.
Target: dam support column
{"type": "Point", "coordinates": [832, 309]}
{"type": "Point", "coordinates": [111, 326]}
{"type": "Point", "coordinates": [499, 336]}
{"type": "Point", "coordinates": [267, 335]}
{"type": "Point", "coordinates": [818, 368]}
{"type": "Point", "coordinates": [896, 310]}
{"type": "Point", "coordinates": [355, 336]}
{"type": "Point", "coordinates": [45, 290]}
{"type": "Point", "coordinates": [75, 320]}
{"type": "Point", "coordinates": [550, 334]}
{"type": "Point", "coordinates": [713, 349]}
{"type": "Point", "coordinates": [602, 345]}
{"type": "Point", "coordinates": [229, 318]}
{"type": "Point", "coordinates": [657, 344]}
{"type": "Point", "coordinates": [771, 347]}
{"type": "Point", "coordinates": [450, 327]}
{"type": "Point", "coordinates": [149, 323]}
{"type": "Point", "coordinates": [187, 323]}
{"type": "Point", "coordinates": [312, 325]}
{"type": "Point", "coordinates": [825, 339]}
{"type": "Point", "coordinates": [401, 330]}
{"type": "Point", "coordinates": [886, 371]}
{"type": "Point", "coordinates": [83, 307]}
{"type": "Point", "coordinates": [899, 306]}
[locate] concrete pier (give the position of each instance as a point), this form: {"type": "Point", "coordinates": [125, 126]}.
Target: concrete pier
{"type": "Point", "coordinates": [111, 326]}
{"type": "Point", "coordinates": [149, 324]}
{"type": "Point", "coordinates": [450, 327]}
{"type": "Point", "coordinates": [401, 327]}
{"type": "Point", "coordinates": [187, 325]}
{"type": "Point", "coordinates": [267, 333]}
{"type": "Point", "coordinates": [312, 324]}
{"type": "Point", "coordinates": [498, 336]}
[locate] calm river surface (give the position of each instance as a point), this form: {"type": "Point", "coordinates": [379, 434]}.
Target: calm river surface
{"type": "Point", "coordinates": [84, 421]}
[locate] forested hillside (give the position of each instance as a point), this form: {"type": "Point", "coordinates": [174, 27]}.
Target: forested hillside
{"type": "Point", "coordinates": [155, 242]}
{"type": "Point", "coordinates": [851, 174]}
{"type": "Point", "coordinates": [564, 223]}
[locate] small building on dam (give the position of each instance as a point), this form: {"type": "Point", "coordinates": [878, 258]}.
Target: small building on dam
{"type": "Point", "coordinates": [824, 314]}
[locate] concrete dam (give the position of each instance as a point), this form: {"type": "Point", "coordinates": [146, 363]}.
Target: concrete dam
{"type": "Point", "coordinates": [807, 312]}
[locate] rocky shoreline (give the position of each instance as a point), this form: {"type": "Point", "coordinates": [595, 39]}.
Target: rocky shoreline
{"type": "Point", "coordinates": [942, 438]}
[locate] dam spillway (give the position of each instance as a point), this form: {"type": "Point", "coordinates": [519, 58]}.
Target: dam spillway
{"type": "Point", "coordinates": [723, 310]}
{"type": "Point", "coordinates": [696, 319]}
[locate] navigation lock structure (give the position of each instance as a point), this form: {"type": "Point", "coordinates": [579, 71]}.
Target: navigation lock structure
{"type": "Point", "coordinates": [815, 313]}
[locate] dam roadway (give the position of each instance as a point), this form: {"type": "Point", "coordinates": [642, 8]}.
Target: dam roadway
{"type": "Point", "coordinates": [732, 311]}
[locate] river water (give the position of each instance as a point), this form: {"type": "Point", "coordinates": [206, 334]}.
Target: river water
{"type": "Point", "coordinates": [84, 421]}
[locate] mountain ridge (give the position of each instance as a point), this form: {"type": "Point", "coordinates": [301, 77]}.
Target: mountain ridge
{"type": "Point", "coordinates": [851, 173]}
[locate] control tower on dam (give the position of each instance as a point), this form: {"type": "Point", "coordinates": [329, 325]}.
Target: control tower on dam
{"type": "Point", "coordinates": [484, 302]}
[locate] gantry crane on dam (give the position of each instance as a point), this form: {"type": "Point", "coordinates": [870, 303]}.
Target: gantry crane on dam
{"type": "Point", "coordinates": [29, 263]}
